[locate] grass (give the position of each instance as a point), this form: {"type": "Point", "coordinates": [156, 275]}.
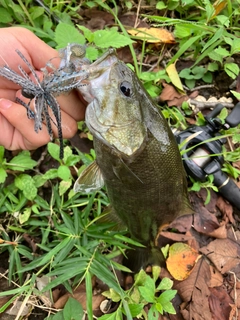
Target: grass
{"type": "Point", "coordinates": [69, 243]}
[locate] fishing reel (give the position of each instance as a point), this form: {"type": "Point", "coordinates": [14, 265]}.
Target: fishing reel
{"type": "Point", "coordinates": [204, 159]}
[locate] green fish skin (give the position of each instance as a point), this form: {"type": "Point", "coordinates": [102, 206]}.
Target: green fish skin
{"type": "Point", "coordinates": [137, 157]}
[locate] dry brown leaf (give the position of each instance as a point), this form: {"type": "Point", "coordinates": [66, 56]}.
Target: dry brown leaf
{"type": "Point", "coordinates": [216, 279]}
{"type": "Point", "coordinates": [176, 236]}
{"type": "Point", "coordinates": [181, 260]}
{"type": "Point", "coordinates": [223, 253]}
{"type": "Point", "coordinates": [219, 303]}
{"type": "Point", "coordinates": [183, 223]}
{"type": "Point", "coordinates": [194, 291]}
{"type": "Point", "coordinates": [226, 209]}
{"type": "Point", "coordinates": [153, 35]}
{"type": "Point", "coordinates": [204, 221]}
{"type": "Point", "coordinates": [172, 96]}
{"type": "Point", "coordinates": [220, 233]}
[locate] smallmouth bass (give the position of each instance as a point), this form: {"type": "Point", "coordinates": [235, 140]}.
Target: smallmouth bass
{"type": "Point", "coordinates": [137, 157]}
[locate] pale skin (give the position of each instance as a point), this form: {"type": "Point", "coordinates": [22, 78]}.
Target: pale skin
{"type": "Point", "coordinates": [16, 130]}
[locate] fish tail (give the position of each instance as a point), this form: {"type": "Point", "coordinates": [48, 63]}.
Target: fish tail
{"type": "Point", "coordinates": [139, 258]}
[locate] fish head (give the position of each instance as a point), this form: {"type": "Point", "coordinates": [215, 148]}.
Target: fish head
{"type": "Point", "coordinates": [114, 114]}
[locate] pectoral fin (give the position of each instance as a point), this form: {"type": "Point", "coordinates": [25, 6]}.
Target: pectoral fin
{"type": "Point", "coordinates": [90, 179]}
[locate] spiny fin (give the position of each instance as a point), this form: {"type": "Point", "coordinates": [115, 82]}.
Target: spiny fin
{"type": "Point", "coordinates": [139, 258]}
{"type": "Point", "coordinates": [90, 179]}
{"type": "Point", "coordinates": [110, 216]}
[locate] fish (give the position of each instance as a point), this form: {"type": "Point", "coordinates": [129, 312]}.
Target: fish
{"type": "Point", "coordinates": [137, 158]}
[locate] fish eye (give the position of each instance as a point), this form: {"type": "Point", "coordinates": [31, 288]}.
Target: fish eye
{"type": "Point", "coordinates": [126, 88]}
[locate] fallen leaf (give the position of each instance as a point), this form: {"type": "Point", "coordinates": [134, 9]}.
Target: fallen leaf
{"type": "Point", "coordinates": [219, 303]}
{"type": "Point", "coordinates": [194, 292]}
{"type": "Point", "coordinates": [153, 35]}
{"type": "Point", "coordinates": [174, 77]}
{"type": "Point", "coordinates": [172, 96]}
{"type": "Point", "coordinates": [226, 209]}
{"type": "Point", "coordinates": [204, 221]}
{"type": "Point", "coordinates": [216, 279]}
{"type": "Point", "coordinates": [182, 258]}
{"type": "Point", "coordinates": [223, 253]}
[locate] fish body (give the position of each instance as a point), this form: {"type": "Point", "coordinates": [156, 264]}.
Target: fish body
{"type": "Point", "coordinates": [137, 157]}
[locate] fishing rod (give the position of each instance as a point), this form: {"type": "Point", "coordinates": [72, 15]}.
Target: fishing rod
{"type": "Point", "coordinates": [204, 159]}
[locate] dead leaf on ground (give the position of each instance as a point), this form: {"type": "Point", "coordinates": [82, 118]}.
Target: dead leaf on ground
{"type": "Point", "coordinates": [172, 96]}
{"type": "Point", "coordinates": [226, 209]}
{"type": "Point", "coordinates": [181, 260]}
{"type": "Point", "coordinates": [176, 236]}
{"type": "Point", "coordinates": [129, 19]}
{"type": "Point", "coordinates": [220, 233]}
{"type": "Point", "coordinates": [216, 279]}
{"type": "Point", "coordinates": [183, 223]}
{"type": "Point", "coordinates": [204, 221]}
{"type": "Point", "coordinates": [219, 303]}
{"type": "Point", "coordinates": [195, 293]}
{"type": "Point", "coordinates": [223, 253]}
{"type": "Point", "coordinates": [153, 35]}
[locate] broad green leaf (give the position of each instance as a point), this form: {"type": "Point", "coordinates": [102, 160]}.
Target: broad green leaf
{"type": "Point", "coordinates": [166, 296]}
{"type": "Point", "coordinates": [23, 217]}
{"type": "Point", "coordinates": [110, 316]}
{"type": "Point", "coordinates": [232, 69]}
{"type": "Point", "coordinates": [165, 284]}
{"type": "Point", "coordinates": [5, 16]}
{"type": "Point", "coordinates": [57, 316]}
{"type": "Point", "coordinates": [88, 34]}
{"type": "Point", "coordinates": [222, 52]}
{"type": "Point", "coordinates": [64, 186]}
{"type": "Point", "coordinates": [3, 175]}
{"type": "Point", "coordinates": [213, 66]}
{"type": "Point", "coordinates": [112, 294]}
{"type": "Point", "coordinates": [54, 149]}
{"type": "Point", "coordinates": [108, 38]}
{"type": "Point", "coordinates": [153, 313]}
{"type": "Point", "coordinates": [182, 31]}
{"type": "Point", "coordinates": [147, 294]}
{"type": "Point", "coordinates": [64, 172]}
{"type": "Point", "coordinates": [22, 162]}
{"type": "Point", "coordinates": [140, 278]}
{"type": "Point", "coordinates": [92, 53]}
{"type": "Point", "coordinates": [36, 12]}
{"type": "Point", "coordinates": [156, 272]}
{"type": "Point", "coordinates": [50, 174]}
{"type": "Point", "coordinates": [159, 307]}
{"type": "Point", "coordinates": [26, 183]}
{"type": "Point", "coordinates": [160, 5]}
{"type": "Point", "coordinates": [72, 310]}
{"type": "Point", "coordinates": [65, 34]}
{"type": "Point", "coordinates": [136, 309]}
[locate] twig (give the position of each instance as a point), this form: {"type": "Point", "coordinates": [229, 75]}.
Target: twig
{"type": "Point", "coordinates": [137, 15]}
{"type": "Point", "coordinates": [204, 86]}
{"type": "Point", "coordinates": [201, 105]}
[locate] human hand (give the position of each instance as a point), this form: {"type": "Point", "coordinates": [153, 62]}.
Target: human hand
{"type": "Point", "coordinates": [16, 130]}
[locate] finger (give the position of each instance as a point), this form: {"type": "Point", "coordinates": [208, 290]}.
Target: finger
{"type": "Point", "coordinates": [24, 136]}
{"type": "Point", "coordinates": [17, 131]}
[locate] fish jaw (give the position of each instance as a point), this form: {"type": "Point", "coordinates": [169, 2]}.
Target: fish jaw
{"type": "Point", "coordinates": [112, 117]}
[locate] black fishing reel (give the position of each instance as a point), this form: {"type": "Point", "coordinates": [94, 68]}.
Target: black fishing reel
{"type": "Point", "coordinates": [204, 159]}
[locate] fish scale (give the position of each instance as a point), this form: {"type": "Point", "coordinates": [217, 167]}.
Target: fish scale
{"type": "Point", "coordinates": [137, 158]}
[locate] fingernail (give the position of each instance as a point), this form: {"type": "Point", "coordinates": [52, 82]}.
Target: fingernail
{"type": "Point", "coordinates": [5, 104]}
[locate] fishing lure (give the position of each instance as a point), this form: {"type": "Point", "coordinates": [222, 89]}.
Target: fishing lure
{"type": "Point", "coordinates": [61, 80]}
